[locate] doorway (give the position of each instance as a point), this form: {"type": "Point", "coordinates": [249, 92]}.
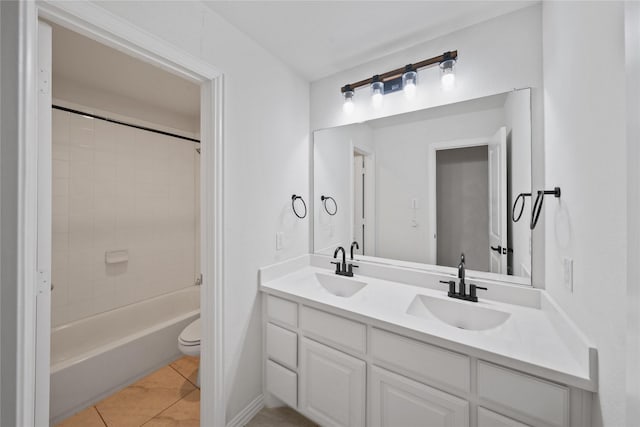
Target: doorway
{"type": "Point", "coordinates": [463, 227]}
{"type": "Point", "coordinates": [125, 224]}
{"type": "Point", "coordinates": [486, 159]}
{"type": "Point", "coordinates": [98, 24]}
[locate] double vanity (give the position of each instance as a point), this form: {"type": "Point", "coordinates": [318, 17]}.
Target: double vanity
{"type": "Point", "coordinates": [389, 347]}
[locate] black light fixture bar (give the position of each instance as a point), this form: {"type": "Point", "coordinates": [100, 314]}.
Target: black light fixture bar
{"type": "Point", "coordinates": [394, 74]}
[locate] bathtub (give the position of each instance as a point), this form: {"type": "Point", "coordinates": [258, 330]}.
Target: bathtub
{"type": "Point", "coordinates": [93, 357]}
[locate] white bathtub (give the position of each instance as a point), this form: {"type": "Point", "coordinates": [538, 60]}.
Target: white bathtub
{"type": "Point", "coordinates": [93, 357]}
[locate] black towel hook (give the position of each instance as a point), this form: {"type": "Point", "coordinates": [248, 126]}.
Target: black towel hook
{"type": "Point", "coordinates": [537, 206]}
{"type": "Point", "coordinates": [324, 203]}
{"type": "Point", "coordinates": [522, 196]}
{"type": "Point", "coordinates": [293, 206]}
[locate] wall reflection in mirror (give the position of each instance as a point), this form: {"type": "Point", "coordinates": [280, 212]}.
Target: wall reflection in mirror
{"type": "Point", "coordinates": [426, 186]}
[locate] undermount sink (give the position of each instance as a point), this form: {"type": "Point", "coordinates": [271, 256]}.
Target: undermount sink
{"type": "Point", "coordinates": [458, 314]}
{"type": "Point", "coordinates": [340, 286]}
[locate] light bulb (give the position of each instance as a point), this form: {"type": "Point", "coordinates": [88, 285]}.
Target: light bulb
{"type": "Point", "coordinates": [376, 92]}
{"type": "Point", "coordinates": [348, 106]}
{"type": "Point", "coordinates": [410, 90]}
{"type": "Point", "coordinates": [448, 77]}
{"type": "Point", "coordinates": [409, 79]}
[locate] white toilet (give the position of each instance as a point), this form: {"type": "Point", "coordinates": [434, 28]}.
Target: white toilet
{"type": "Point", "coordinates": [189, 342]}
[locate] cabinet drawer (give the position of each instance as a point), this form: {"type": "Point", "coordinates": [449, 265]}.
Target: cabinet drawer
{"type": "Point", "coordinates": [427, 363]}
{"type": "Point", "coordinates": [282, 311]}
{"type": "Point", "coordinates": [334, 329]}
{"type": "Point", "coordinates": [282, 383]}
{"type": "Point", "coordinates": [536, 398]}
{"type": "Point", "coordinates": [282, 345]}
{"type": "Point", "coordinates": [487, 418]}
{"type": "Point", "coordinates": [398, 401]}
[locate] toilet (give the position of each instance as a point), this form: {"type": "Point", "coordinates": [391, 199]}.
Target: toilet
{"type": "Point", "coordinates": [189, 342]}
{"type": "Point", "coordinates": [189, 339]}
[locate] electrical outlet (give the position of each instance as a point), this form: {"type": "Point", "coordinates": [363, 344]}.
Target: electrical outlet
{"type": "Point", "coordinates": [567, 270]}
{"type": "Point", "coordinates": [279, 240]}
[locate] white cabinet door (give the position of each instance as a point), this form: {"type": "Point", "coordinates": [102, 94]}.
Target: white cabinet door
{"type": "Point", "coordinates": [397, 401]}
{"type": "Point", "coordinates": [487, 418]}
{"type": "Point", "coordinates": [332, 386]}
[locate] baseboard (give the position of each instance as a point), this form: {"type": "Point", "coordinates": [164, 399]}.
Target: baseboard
{"type": "Point", "coordinates": [247, 413]}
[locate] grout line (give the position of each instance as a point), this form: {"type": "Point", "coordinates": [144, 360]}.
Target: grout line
{"type": "Point", "coordinates": [173, 404]}
{"type": "Point", "coordinates": [100, 415]}
{"type": "Point", "coordinates": [182, 375]}
{"type": "Point", "coordinates": [154, 416]}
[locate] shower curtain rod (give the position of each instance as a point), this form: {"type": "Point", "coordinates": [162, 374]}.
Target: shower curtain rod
{"type": "Point", "coordinates": [106, 119]}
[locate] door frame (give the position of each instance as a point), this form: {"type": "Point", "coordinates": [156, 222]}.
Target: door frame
{"type": "Point", "coordinates": [96, 23]}
{"type": "Point", "coordinates": [369, 195]}
{"type": "Point", "coordinates": [432, 207]}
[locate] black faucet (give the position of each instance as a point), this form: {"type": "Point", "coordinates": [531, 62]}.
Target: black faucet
{"type": "Point", "coordinates": [343, 269]}
{"type": "Point", "coordinates": [462, 291]}
{"type": "Point", "coordinates": [461, 273]}
{"type": "Point", "coordinates": [356, 246]}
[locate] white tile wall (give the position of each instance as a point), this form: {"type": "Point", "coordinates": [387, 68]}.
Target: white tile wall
{"type": "Point", "coordinates": [120, 188]}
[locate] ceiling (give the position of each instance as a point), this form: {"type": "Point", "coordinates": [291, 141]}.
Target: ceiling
{"type": "Point", "coordinates": [88, 63]}
{"type": "Point", "coordinates": [320, 38]}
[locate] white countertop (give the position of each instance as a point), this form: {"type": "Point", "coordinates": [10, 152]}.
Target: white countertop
{"type": "Point", "coordinates": [531, 340]}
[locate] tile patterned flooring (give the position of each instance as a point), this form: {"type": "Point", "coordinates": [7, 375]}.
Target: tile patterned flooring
{"type": "Point", "coordinates": [168, 397]}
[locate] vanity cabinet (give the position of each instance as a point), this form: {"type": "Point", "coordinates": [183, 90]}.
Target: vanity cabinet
{"type": "Point", "coordinates": [340, 371]}
{"type": "Point", "coordinates": [332, 385]}
{"type": "Point", "coordinates": [400, 401]}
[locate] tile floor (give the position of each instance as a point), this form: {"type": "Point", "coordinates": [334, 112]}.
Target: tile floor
{"type": "Point", "coordinates": [168, 397]}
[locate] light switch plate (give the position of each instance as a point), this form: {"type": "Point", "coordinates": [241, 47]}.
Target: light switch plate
{"type": "Point", "coordinates": [279, 240]}
{"type": "Point", "coordinates": [567, 271]}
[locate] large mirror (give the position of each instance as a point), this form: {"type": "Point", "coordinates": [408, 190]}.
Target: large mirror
{"type": "Point", "coordinates": [424, 187]}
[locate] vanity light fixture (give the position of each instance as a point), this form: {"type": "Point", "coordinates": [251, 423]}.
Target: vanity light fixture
{"type": "Point", "coordinates": [447, 68]}
{"type": "Point", "coordinates": [404, 78]}
{"type": "Point", "coordinates": [409, 81]}
{"type": "Point", "coordinates": [377, 89]}
{"type": "Point", "coordinates": [348, 99]}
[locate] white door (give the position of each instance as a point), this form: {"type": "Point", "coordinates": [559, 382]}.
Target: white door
{"type": "Point", "coordinates": [332, 386]}
{"type": "Point", "coordinates": [498, 202]}
{"type": "Point", "coordinates": [359, 223]}
{"type": "Point", "coordinates": [43, 298]}
{"type": "Point", "coordinates": [399, 401]}
{"type": "Point", "coordinates": [364, 203]}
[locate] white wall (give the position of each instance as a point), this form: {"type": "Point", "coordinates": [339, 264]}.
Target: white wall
{"type": "Point", "coordinates": [119, 188]}
{"type": "Point", "coordinates": [402, 174]}
{"type": "Point", "coordinates": [333, 176]}
{"type": "Point", "coordinates": [585, 155]}
{"type": "Point", "coordinates": [632, 50]}
{"type": "Point", "coordinates": [266, 161]}
{"type": "Point", "coordinates": [494, 57]}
